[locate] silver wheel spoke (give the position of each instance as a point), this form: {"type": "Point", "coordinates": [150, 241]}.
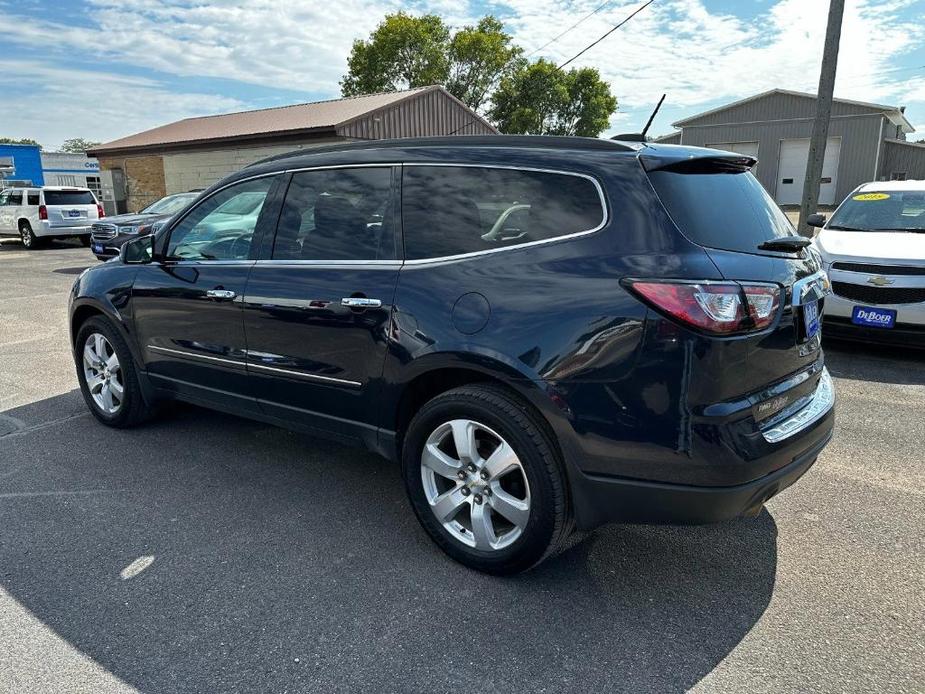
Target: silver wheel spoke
{"type": "Point", "coordinates": [94, 383]}
{"type": "Point", "coordinates": [502, 461]}
{"type": "Point", "coordinates": [116, 389]}
{"type": "Point", "coordinates": [464, 439]}
{"type": "Point", "coordinates": [447, 504]}
{"type": "Point", "coordinates": [99, 347]}
{"type": "Point", "coordinates": [106, 397]}
{"type": "Point", "coordinates": [113, 362]}
{"type": "Point", "coordinates": [512, 508]}
{"type": "Point", "coordinates": [440, 462]}
{"type": "Point", "coordinates": [90, 358]}
{"type": "Point", "coordinates": [482, 527]}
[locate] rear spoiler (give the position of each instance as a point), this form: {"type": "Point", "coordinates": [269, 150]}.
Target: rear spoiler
{"type": "Point", "coordinates": [688, 163]}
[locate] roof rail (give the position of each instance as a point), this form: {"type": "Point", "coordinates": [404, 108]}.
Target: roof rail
{"type": "Point", "coordinates": [532, 141]}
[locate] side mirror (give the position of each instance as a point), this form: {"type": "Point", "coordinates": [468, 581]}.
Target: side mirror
{"type": "Point", "coordinates": [138, 251]}
{"type": "Point", "coordinates": [816, 220]}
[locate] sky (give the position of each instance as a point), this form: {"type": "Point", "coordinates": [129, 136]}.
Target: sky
{"type": "Point", "coordinates": [103, 69]}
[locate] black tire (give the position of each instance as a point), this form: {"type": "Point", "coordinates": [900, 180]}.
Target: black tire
{"type": "Point", "coordinates": [133, 409]}
{"type": "Point", "coordinates": [84, 240]}
{"type": "Point", "coordinates": [28, 237]}
{"type": "Point", "coordinates": [549, 523]}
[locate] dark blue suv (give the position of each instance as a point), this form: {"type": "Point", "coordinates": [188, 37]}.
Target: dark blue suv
{"type": "Point", "coordinates": [547, 333]}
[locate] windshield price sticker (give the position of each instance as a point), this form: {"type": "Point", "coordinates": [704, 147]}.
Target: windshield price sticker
{"type": "Point", "coordinates": [864, 197]}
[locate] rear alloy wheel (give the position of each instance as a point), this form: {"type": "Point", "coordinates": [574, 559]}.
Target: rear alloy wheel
{"type": "Point", "coordinates": [485, 480]}
{"type": "Point", "coordinates": [28, 237]}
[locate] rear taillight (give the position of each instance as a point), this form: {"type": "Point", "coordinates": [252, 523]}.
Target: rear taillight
{"type": "Point", "coordinates": [43, 212]}
{"type": "Point", "coordinates": [99, 211]}
{"type": "Point", "coordinates": [721, 308]}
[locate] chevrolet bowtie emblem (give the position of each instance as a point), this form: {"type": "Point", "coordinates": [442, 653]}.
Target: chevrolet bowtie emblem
{"type": "Point", "coordinates": [880, 281]}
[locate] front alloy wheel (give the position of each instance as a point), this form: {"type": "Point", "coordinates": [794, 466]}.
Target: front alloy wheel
{"type": "Point", "coordinates": [103, 374]}
{"type": "Point", "coordinates": [475, 484]}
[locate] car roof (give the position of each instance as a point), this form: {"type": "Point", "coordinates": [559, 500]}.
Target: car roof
{"type": "Point", "coordinates": [892, 185]}
{"type": "Point", "coordinates": [66, 188]}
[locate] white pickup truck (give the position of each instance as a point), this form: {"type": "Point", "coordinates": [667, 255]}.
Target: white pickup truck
{"type": "Point", "coordinates": [38, 214]}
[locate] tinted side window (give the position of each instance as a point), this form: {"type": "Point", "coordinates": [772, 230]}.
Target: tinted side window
{"type": "Point", "coordinates": [222, 226]}
{"type": "Point", "coordinates": [452, 210]}
{"type": "Point", "coordinates": [337, 214]}
{"type": "Point", "coordinates": [33, 199]}
{"type": "Point", "coordinates": [15, 198]}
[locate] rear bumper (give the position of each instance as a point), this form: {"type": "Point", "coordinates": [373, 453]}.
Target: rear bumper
{"type": "Point", "coordinates": [43, 229]}
{"type": "Point", "coordinates": [608, 500]}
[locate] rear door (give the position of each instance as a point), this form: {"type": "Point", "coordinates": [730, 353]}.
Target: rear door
{"type": "Point", "coordinates": [70, 207]}
{"type": "Point", "coordinates": [187, 306]}
{"type": "Point", "coordinates": [318, 305]}
{"type": "Point", "coordinates": [718, 204]}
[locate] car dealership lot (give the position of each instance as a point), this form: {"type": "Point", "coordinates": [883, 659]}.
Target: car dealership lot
{"type": "Point", "coordinates": [207, 553]}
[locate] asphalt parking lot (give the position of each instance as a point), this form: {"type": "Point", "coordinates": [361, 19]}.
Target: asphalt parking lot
{"type": "Point", "coordinates": [204, 553]}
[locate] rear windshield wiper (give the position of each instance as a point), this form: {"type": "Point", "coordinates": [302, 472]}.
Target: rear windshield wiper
{"type": "Point", "coordinates": [790, 244]}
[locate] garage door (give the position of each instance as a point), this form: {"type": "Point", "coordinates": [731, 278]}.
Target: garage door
{"type": "Point", "coordinates": [791, 171]}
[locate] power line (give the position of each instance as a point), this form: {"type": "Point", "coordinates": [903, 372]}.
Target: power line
{"type": "Point", "coordinates": [592, 45]}
{"type": "Point", "coordinates": [587, 16]}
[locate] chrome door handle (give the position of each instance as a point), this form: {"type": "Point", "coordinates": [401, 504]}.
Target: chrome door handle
{"type": "Point", "coordinates": [360, 302]}
{"type": "Point", "coordinates": [220, 294]}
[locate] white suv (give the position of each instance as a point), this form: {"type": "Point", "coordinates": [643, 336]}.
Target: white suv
{"type": "Point", "coordinates": [36, 214]}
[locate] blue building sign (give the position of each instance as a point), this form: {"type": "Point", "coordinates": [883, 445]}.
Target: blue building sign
{"type": "Point", "coordinates": [21, 164]}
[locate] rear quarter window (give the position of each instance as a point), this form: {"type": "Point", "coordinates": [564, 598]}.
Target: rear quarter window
{"type": "Point", "coordinates": [450, 210]}
{"type": "Point", "coordinates": [33, 199]}
{"type": "Point", "coordinates": [69, 197]}
{"type": "Point", "coordinates": [727, 210]}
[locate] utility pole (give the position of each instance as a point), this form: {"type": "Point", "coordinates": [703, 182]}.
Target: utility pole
{"type": "Point", "coordinates": [823, 112]}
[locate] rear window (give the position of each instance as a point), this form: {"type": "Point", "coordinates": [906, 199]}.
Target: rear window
{"type": "Point", "coordinates": [69, 197]}
{"type": "Point", "coordinates": [450, 210]}
{"type": "Point", "coordinates": [730, 211]}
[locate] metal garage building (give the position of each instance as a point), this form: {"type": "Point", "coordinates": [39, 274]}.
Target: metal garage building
{"type": "Point", "coordinates": [866, 142]}
{"type": "Point", "coordinates": [196, 152]}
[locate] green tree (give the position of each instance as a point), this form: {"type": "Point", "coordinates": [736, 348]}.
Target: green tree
{"type": "Point", "coordinates": [77, 145]}
{"type": "Point", "coordinates": [480, 56]}
{"type": "Point", "coordinates": [402, 53]}
{"type": "Point", "coordinates": [540, 99]}
{"type": "Point", "coordinates": [406, 52]}
{"type": "Point", "coordinates": [19, 141]}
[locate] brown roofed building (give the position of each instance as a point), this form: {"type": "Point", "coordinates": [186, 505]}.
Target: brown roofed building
{"type": "Point", "coordinates": [196, 152]}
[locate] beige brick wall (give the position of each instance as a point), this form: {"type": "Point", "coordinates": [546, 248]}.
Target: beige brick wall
{"type": "Point", "coordinates": [185, 171]}
{"type": "Point", "coordinates": [144, 178]}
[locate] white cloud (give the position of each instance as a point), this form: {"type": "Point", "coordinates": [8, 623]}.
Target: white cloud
{"type": "Point", "coordinates": [698, 55]}
{"type": "Point", "coordinates": [62, 103]}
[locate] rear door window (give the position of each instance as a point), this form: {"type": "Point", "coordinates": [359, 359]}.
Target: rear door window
{"type": "Point", "coordinates": [338, 214]}
{"type": "Point", "coordinates": [450, 210]}
{"type": "Point", "coordinates": [15, 198]}
{"type": "Point", "coordinates": [69, 197]}
{"type": "Point", "coordinates": [728, 210]}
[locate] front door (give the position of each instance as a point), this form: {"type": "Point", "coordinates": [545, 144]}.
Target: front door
{"type": "Point", "coordinates": [187, 306]}
{"type": "Point", "coordinates": [317, 308]}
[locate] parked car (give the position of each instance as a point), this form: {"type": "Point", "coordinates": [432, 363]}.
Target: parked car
{"type": "Point", "coordinates": [107, 237]}
{"type": "Point", "coordinates": [644, 347]}
{"type": "Point", "coordinates": [50, 212]}
{"type": "Point", "coordinates": [873, 248]}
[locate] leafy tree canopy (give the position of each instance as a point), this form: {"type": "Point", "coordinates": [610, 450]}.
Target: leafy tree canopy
{"type": "Point", "coordinates": [541, 99]}
{"type": "Point", "coordinates": [19, 141]}
{"type": "Point", "coordinates": [77, 145]}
